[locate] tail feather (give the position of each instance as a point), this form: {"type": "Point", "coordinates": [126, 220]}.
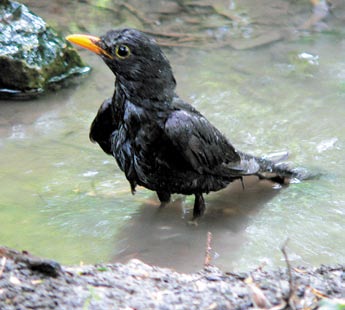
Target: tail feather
{"type": "Point", "coordinates": [271, 168]}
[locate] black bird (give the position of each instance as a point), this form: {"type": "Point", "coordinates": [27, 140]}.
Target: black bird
{"type": "Point", "coordinates": [158, 140]}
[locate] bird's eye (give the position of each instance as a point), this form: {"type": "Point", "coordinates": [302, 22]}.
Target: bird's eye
{"type": "Point", "coordinates": [122, 51]}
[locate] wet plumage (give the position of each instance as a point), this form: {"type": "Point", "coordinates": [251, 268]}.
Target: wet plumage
{"type": "Point", "coordinates": [158, 140]}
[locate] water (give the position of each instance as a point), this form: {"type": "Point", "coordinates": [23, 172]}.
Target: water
{"type": "Point", "coordinates": [63, 198]}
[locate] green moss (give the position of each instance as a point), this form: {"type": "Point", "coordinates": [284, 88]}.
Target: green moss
{"type": "Point", "coordinates": [32, 55]}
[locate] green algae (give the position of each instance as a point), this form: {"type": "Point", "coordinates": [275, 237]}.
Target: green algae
{"type": "Point", "coordinates": [33, 57]}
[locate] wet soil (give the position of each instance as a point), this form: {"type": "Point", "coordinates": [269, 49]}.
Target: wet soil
{"type": "Point", "coordinates": [28, 282]}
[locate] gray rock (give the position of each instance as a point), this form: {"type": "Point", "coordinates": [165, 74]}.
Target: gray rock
{"type": "Point", "coordinates": [33, 57]}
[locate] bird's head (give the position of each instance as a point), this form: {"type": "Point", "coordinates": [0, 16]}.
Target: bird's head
{"type": "Point", "coordinates": [140, 67]}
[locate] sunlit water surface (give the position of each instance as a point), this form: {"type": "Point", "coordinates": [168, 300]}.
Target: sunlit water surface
{"type": "Point", "coordinates": [63, 198]}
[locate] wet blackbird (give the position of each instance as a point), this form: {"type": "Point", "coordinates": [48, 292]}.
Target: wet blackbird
{"type": "Point", "coordinates": [158, 140]}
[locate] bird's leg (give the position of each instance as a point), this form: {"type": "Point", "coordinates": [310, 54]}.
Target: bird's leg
{"type": "Point", "coordinates": [242, 182]}
{"type": "Point", "coordinates": [133, 186]}
{"type": "Point", "coordinates": [199, 206]}
{"type": "Point", "coordinates": [164, 198]}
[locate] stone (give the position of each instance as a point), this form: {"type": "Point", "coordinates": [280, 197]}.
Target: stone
{"type": "Point", "coordinates": [33, 57]}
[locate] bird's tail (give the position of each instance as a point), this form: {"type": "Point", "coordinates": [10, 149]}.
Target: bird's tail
{"type": "Point", "coordinates": [272, 168]}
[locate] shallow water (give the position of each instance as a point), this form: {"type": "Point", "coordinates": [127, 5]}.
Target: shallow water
{"type": "Point", "coordinates": [63, 198]}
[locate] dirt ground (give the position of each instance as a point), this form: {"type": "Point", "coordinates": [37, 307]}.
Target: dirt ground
{"type": "Point", "coordinates": [28, 282]}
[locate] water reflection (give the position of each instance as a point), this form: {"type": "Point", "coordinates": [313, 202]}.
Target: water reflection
{"type": "Point", "coordinates": [165, 237]}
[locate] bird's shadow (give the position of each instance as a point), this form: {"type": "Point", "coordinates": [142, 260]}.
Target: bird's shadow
{"type": "Point", "coordinates": [165, 237]}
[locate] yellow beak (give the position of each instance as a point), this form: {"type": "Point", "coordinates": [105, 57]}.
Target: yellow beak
{"type": "Point", "coordinates": [88, 42]}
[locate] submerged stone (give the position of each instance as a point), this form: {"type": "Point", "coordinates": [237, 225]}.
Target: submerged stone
{"type": "Point", "coordinates": [33, 57]}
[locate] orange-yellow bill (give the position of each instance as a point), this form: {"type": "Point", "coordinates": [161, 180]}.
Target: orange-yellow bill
{"type": "Point", "coordinates": [88, 42]}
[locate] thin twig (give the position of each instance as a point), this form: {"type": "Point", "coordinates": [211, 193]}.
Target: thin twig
{"type": "Point", "coordinates": [175, 44]}
{"type": "Point", "coordinates": [2, 266]}
{"type": "Point", "coordinates": [208, 258]}
{"type": "Point", "coordinates": [116, 8]}
{"type": "Point", "coordinates": [137, 14]}
{"type": "Point", "coordinates": [258, 297]}
{"type": "Point", "coordinates": [212, 10]}
{"type": "Point", "coordinates": [174, 35]}
{"type": "Point", "coordinates": [289, 269]}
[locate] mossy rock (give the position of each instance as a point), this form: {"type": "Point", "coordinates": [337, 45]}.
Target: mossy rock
{"type": "Point", "coordinates": [33, 57]}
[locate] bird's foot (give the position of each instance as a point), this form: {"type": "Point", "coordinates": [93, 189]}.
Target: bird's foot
{"type": "Point", "coordinates": [193, 222]}
{"type": "Point", "coordinates": [242, 182]}
{"type": "Point", "coordinates": [163, 204]}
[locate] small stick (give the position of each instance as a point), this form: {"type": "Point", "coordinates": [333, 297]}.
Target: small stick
{"type": "Point", "coordinates": [207, 261]}
{"type": "Point", "coordinates": [136, 13]}
{"type": "Point", "coordinates": [289, 269]}
{"type": "Point", "coordinates": [174, 35]}
{"type": "Point", "coordinates": [213, 10]}
{"type": "Point", "coordinates": [173, 44]}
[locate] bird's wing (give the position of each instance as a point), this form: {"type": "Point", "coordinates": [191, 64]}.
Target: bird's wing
{"type": "Point", "coordinates": [201, 144]}
{"type": "Point", "coordinates": [102, 126]}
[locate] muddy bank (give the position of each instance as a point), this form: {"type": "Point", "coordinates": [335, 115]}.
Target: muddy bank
{"type": "Point", "coordinates": [28, 282]}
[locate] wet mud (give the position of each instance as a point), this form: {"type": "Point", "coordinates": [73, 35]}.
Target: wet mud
{"type": "Point", "coordinates": [28, 282]}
